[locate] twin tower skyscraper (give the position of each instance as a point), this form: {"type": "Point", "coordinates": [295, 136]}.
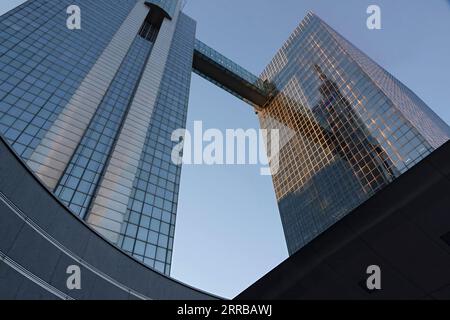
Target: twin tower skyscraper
{"type": "Point", "coordinates": [92, 111]}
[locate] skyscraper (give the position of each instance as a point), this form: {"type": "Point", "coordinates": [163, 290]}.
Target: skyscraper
{"type": "Point", "coordinates": [92, 112]}
{"type": "Point", "coordinates": [348, 129]}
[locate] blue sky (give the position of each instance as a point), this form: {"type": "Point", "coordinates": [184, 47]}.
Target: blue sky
{"type": "Point", "coordinates": [228, 230]}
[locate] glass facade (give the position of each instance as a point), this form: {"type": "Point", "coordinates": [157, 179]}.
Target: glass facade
{"type": "Point", "coordinates": [149, 227]}
{"type": "Point", "coordinates": [93, 81]}
{"type": "Point", "coordinates": [229, 65]}
{"type": "Point", "coordinates": [78, 184]}
{"type": "Point", "coordinates": [42, 63]}
{"type": "Point", "coordinates": [92, 112]}
{"type": "Point", "coordinates": [344, 135]}
{"type": "Point", "coordinates": [231, 77]}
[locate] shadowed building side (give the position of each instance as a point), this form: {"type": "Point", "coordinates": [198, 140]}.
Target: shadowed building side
{"type": "Point", "coordinates": [404, 230]}
{"type": "Point", "coordinates": [40, 238]}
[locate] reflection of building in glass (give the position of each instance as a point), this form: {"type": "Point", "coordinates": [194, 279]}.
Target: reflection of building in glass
{"type": "Point", "coordinates": [348, 133]}
{"type": "Point", "coordinates": [348, 129]}
{"type": "Point", "coordinates": [92, 112]}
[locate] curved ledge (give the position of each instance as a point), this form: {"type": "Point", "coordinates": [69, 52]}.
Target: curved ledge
{"type": "Point", "coordinates": [168, 7]}
{"type": "Point", "coordinates": [40, 238]}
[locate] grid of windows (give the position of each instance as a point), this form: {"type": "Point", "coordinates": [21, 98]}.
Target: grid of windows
{"type": "Point", "coordinates": [348, 128]}
{"type": "Point", "coordinates": [428, 123]}
{"type": "Point", "coordinates": [342, 138]}
{"type": "Point", "coordinates": [81, 176]}
{"type": "Point", "coordinates": [149, 225]}
{"type": "Point", "coordinates": [41, 66]}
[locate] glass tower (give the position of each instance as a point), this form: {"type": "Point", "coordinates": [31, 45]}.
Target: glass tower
{"type": "Point", "coordinates": [348, 128]}
{"type": "Point", "coordinates": [92, 112]}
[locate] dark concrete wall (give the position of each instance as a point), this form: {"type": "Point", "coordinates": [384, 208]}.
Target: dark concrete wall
{"type": "Point", "coordinates": [40, 238]}
{"type": "Point", "coordinates": [404, 229]}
